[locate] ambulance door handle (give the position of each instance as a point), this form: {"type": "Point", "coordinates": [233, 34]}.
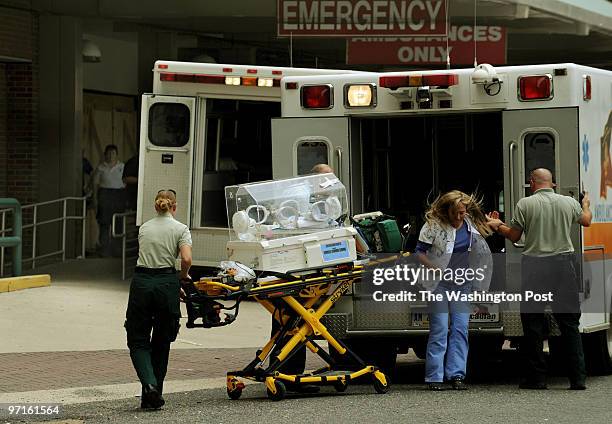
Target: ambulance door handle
{"type": "Point", "coordinates": [339, 162]}
{"type": "Point", "coordinates": [513, 146]}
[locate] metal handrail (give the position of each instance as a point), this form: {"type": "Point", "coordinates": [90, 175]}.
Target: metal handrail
{"type": "Point", "coordinates": [124, 238]}
{"type": "Point", "coordinates": [35, 224]}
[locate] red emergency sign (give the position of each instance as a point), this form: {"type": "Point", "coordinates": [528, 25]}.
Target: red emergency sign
{"type": "Point", "coordinates": [490, 47]}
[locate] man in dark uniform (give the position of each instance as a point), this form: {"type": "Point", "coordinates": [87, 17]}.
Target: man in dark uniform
{"type": "Point", "coordinates": [548, 265]}
{"type": "Point", "coordinates": [153, 312]}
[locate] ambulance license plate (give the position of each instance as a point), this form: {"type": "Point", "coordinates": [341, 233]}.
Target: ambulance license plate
{"type": "Point", "coordinates": [484, 313]}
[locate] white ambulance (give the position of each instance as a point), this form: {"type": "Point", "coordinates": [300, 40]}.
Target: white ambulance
{"type": "Point", "coordinates": [398, 139]}
{"type": "Point", "coordinates": [204, 127]}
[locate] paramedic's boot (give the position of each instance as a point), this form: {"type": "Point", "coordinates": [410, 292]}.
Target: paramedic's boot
{"type": "Point", "coordinates": [458, 384]}
{"type": "Point", "coordinates": [151, 399]}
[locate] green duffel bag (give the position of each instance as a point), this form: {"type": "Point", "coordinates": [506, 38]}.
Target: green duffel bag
{"type": "Point", "coordinates": [390, 235]}
{"type": "Point", "coordinates": [381, 233]}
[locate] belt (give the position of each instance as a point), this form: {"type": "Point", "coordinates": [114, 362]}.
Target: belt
{"type": "Point", "coordinates": [155, 271]}
{"type": "Point", "coordinates": [551, 258]}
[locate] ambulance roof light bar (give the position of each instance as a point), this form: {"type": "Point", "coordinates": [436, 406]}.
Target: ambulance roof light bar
{"type": "Point", "coordinates": [432, 80]}
{"type": "Point", "coordinates": [220, 79]}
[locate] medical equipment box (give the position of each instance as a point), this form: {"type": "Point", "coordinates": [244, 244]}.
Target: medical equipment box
{"type": "Point", "coordinates": [290, 224]}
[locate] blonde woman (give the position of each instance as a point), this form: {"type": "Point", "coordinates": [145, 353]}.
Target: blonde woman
{"type": "Point", "coordinates": [450, 244]}
{"type": "Point", "coordinates": [153, 312]}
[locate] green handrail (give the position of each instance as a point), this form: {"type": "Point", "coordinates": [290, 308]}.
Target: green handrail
{"type": "Point", "coordinates": [13, 241]}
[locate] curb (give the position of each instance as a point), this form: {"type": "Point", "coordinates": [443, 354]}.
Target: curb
{"type": "Point", "coordinates": [26, 282]}
{"type": "Point", "coordinates": [76, 395]}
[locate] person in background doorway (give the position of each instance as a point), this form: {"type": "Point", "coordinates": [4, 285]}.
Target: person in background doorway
{"type": "Point", "coordinates": [153, 312]}
{"type": "Point", "coordinates": [87, 182]}
{"type": "Point", "coordinates": [452, 238]}
{"type": "Point", "coordinates": [548, 266]}
{"type": "Point", "coordinates": [130, 179]}
{"type": "Point", "coordinates": [109, 195]}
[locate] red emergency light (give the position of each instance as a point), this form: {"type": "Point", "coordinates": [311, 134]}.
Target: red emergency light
{"type": "Point", "coordinates": [317, 96]}
{"type": "Point", "coordinates": [535, 87]}
{"type": "Point", "coordinates": [436, 80]}
{"type": "Point", "coordinates": [586, 87]}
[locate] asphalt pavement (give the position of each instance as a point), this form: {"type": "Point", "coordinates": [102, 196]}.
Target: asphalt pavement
{"type": "Point", "coordinates": [65, 344]}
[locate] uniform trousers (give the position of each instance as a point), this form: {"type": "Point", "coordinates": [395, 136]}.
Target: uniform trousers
{"type": "Point", "coordinates": [152, 323]}
{"type": "Point", "coordinates": [557, 275]}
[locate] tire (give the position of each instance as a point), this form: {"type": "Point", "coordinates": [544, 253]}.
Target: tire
{"type": "Point", "coordinates": [382, 388]}
{"type": "Point", "coordinates": [281, 391]}
{"type": "Point", "coordinates": [598, 352]}
{"type": "Point", "coordinates": [483, 350]}
{"type": "Point", "coordinates": [420, 349]}
{"type": "Point", "coordinates": [379, 352]}
{"type": "Point", "coordinates": [234, 394]}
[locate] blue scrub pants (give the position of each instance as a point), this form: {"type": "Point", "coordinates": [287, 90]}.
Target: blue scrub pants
{"type": "Point", "coordinates": [447, 351]}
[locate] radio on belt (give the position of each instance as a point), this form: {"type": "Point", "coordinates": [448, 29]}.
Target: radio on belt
{"type": "Point", "coordinates": [289, 224]}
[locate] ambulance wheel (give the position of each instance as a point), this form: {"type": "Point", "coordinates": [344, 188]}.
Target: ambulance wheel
{"type": "Point", "coordinates": [281, 391]}
{"type": "Point", "coordinates": [234, 394]}
{"type": "Point", "coordinates": [340, 386]}
{"type": "Point", "coordinates": [598, 352]}
{"type": "Point", "coordinates": [380, 387]}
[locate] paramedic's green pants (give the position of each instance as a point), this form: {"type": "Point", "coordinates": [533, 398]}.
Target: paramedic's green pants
{"type": "Point", "coordinates": [152, 323]}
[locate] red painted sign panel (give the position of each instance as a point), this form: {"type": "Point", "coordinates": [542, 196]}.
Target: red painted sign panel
{"type": "Point", "coordinates": [490, 48]}
{"type": "Point", "coordinates": [343, 18]}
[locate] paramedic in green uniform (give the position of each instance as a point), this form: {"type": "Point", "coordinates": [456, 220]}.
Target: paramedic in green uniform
{"type": "Point", "coordinates": [153, 312]}
{"type": "Point", "coordinates": [548, 266]}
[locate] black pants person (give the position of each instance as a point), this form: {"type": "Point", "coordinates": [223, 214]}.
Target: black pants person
{"type": "Point", "coordinates": [152, 323]}
{"type": "Point", "coordinates": [555, 274]}
{"type": "Point", "coordinates": [110, 201]}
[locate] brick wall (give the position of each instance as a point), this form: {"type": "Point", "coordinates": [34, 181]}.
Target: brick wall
{"type": "Point", "coordinates": [19, 120]}
{"type": "Point", "coordinates": [17, 37]}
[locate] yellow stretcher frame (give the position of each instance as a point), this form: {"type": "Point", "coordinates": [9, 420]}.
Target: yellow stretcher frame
{"type": "Point", "coordinates": [310, 305]}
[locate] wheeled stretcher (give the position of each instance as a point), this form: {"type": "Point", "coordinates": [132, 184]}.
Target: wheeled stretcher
{"type": "Point", "coordinates": [297, 301]}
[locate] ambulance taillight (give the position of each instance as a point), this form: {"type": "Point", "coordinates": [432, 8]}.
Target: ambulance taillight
{"type": "Point", "coordinates": [535, 87]}
{"type": "Point", "coordinates": [317, 96]}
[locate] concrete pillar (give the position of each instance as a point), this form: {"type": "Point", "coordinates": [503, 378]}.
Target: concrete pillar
{"type": "Point", "coordinates": [61, 106]}
{"type": "Point", "coordinates": [153, 46]}
{"type": "Point", "coordinates": [60, 126]}
{"type": "Point", "coordinates": [147, 52]}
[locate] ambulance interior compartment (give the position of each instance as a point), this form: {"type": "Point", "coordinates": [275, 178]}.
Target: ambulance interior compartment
{"type": "Point", "coordinates": [407, 161]}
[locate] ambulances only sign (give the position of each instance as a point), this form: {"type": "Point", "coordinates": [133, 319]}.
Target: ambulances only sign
{"type": "Point", "coordinates": [490, 47]}
{"type": "Point", "coordinates": [343, 18]}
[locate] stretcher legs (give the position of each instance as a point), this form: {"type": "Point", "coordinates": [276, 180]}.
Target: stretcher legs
{"type": "Point", "coordinates": [300, 325]}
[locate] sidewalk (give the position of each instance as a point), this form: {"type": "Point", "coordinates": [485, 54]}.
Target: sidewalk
{"type": "Point", "coordinates": [66, 343]}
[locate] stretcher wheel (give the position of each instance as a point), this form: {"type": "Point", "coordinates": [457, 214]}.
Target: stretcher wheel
{"type": "Point", "coordinates": [281, 391]}
{"type": "Point", "coordinates": [234, 394]}
{"type": "Point", "coordinates": [340, 386]}
{"type": "Point", "coordinates": [380, 387]}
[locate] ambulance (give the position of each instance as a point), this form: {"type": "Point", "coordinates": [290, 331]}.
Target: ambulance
{"type": "Point", "coordinates": [398, 139]}
{"type": "Point", "coordinates": [207, 126]}
{"type": "Point", "coordinates": [395, 140]}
